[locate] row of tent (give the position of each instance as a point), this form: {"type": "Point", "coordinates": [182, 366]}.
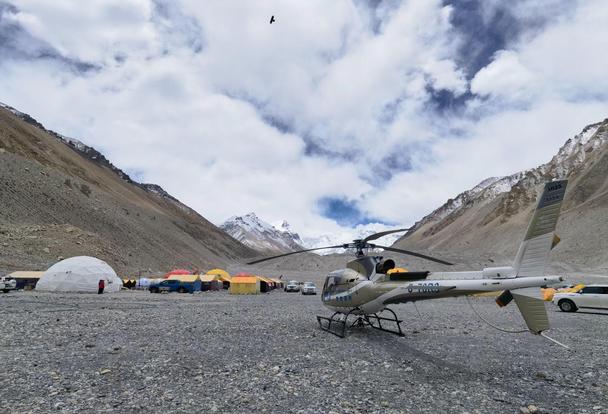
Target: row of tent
{"type": "Point", "coordinates": [83, 273]}
{"type": "Point", "coordinates": [216, 279]}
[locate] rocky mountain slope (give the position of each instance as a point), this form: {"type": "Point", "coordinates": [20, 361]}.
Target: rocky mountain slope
{"type": "Point", "coordinates": [61, 198]}
{"type": "Point", "coordinates": [488, 221]}
{"type": "Point", "coordinates": [262, 236]}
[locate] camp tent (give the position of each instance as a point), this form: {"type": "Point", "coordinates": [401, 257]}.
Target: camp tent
{"type": "Point", "coordinates": [211, 282]}
{"type": "Point", "coordinates": [193, 280]}
{"type": "Point", "coordinates": [184, 278]}
{"type": "Point", "coordinates": [244, 285]}
{"type": "Point", "coordinates": [266, 285]}
{"type": "Point", "coordinates": [177, 272]}
{"type": "Point", "coordinates": [278, 283]}
{"type": "Point", "coordinates": [26, 279]}
{"type": "Point", "coordinates": [397, 270]}
{"type": "Point", "coordinates": [79, 274]}
{"type": "Point", "coordinates": [223, 277]}
{"type": "Point", "coordinates": [129, 283]}
{"type": "Point", "coordinates": [219, 272]}
{"type": "Point", "coordinates": [144, 282]}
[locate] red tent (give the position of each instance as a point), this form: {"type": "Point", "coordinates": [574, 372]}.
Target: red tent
{"type": "Point", "coordinates": [243, 274]}
{"type": "Point", "coordinates": [177, 272]}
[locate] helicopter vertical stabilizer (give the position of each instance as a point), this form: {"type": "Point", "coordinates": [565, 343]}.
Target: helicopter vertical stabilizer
{"type": "Point", "coordinates": [532, 308]}
{"type": "Point", "coordinates": [533, 253]}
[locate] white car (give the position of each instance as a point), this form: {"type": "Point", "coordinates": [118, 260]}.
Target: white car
{"type": "Point", "coordinates": [309, 288]}
{"type": "Point", "coordinates": [591, 296]}
{"type": "Point", "coordinates": [292, 286]}
{"type": "Point", "coordinates": [7, 283]}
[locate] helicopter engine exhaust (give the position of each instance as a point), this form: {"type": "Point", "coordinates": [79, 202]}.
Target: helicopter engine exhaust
{"type": "Point", "coordinates": [385, 265]}
{"type": "Point", "coordinates": [504, 299]}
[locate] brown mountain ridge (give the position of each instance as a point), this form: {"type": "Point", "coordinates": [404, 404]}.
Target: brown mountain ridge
{"type": "Point", "coordinates": [487, 223]}
{"type": "Point", "coordinates": [60, 198]}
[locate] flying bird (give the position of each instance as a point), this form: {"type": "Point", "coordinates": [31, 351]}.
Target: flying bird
{"type": "Point", "coordinates": [272, 20]}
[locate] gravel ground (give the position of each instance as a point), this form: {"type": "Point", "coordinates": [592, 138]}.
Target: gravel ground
{"type": "Point", "coordinates": [213, 352]}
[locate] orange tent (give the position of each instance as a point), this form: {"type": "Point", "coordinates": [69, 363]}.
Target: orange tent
{"type": "Point", "coordinates": [177, 272]}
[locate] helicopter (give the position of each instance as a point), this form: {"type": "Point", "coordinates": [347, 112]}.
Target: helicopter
{"type": "Point", "coordinates": [363, 290]}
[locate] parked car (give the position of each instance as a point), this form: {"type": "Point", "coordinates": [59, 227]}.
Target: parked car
{"type": "Point", "coordinates": [549, 292]}
{"type": "Point", "coordinates": [309, 288]}
{"type": "Point", "coordinates": [174, 286]}
{"type": "Point", "coordinates": [591, 296]}
{"type": "Point", "coordinates": [7, 284]}
{"type": "Point", "coordinates": [292, 286]}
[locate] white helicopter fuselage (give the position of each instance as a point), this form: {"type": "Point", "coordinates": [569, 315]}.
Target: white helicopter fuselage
{"type": "Point", "coordinates": [365, 296]}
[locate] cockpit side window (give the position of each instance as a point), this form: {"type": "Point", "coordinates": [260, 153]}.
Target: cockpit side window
{"type": "Point", "coordinates": [329, 283]}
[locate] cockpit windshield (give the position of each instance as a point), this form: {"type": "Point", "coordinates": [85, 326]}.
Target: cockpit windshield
{"type": "Point", "coordinates": [335, 284]}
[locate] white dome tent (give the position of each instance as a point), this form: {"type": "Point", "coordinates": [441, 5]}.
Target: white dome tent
{"type": "Point", "coordinates": [79, 274]}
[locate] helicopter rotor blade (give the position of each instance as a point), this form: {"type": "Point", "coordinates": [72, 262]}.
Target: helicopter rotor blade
{"type": "Point", "coordinates": [381, 234]}
{"type": "Point", "coordinates": [423, 256]}
{"type": "Point", "coordinates": [341, 246]}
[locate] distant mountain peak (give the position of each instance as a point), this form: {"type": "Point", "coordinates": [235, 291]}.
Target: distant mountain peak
{"type": "Point", "coordinates": [254, 232]}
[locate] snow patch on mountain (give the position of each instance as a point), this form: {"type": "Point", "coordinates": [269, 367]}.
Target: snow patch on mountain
{"type": "Point", "coordinates": [262, 236]}
{"type": "Point", "coordinates": [570, 157]}
{"type": "Point", "coordinates": [280, 237]}
{"type": "Point", "coordinates": [488, 189]}
{"type": "Point", "coordinates": [79, 145]}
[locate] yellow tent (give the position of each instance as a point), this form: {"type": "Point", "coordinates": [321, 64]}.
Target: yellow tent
{"type": "Point", "coordinates": [26, 275]}
{"type": "Point", "coordinates": [129, 283]}
{"type": "Point", "coordinates": [548, 293]}
{"type": "Point", "coordinates": [266, 284]}
{"type": "Point", "coordinates": [26, 279]}
{"type": "Point", "coordinates": [209, 278]}
{"type": "Point", "coordinates": [184, 278]}
{"type": "Point", "coordinates": [397, 270]}
{"type": "Point", "coordinates": [244, 285]}
{"type": "Point", "coordinates": [279, 283]}
{"type": "Point", "coordinates": [222, 273]}
{"type": "Point", "coordinates": [265, 279]}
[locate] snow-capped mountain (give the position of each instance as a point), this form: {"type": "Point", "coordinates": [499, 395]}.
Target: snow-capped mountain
{"type": "Point", "coordinates": [262, 236]}
{"type": "Point", "coordinates": [487, 190]}
{"type": "Point", "coordinates": [491, 217]}
{"type": "Point", "coordinates": [571, 156]}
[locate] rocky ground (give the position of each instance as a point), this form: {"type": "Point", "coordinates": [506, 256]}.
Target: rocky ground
{"type": "Point", "coordinates": [213, 352]}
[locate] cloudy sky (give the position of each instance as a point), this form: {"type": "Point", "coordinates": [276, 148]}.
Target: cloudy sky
{"type": "Point", "coordinates": [340, 114]}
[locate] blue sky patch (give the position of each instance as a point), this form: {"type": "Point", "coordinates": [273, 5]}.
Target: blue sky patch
{"type": "Point", "coordinates": [344, 212]}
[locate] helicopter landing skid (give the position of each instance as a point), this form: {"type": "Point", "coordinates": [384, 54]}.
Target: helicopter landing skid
{"type": "Point", "coordinates": [338, 323]}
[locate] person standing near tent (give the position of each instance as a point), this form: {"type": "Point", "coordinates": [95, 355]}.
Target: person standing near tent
{"type": "Point", "coordinates": [101, 286]}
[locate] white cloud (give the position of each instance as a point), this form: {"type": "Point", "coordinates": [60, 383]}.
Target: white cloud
{"type": "Point", "coordinates": [185, 104]}
{"type": "Point", "coordinates": [505, 78]}
{"type": "Point", "coordinates": [95, 31]}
